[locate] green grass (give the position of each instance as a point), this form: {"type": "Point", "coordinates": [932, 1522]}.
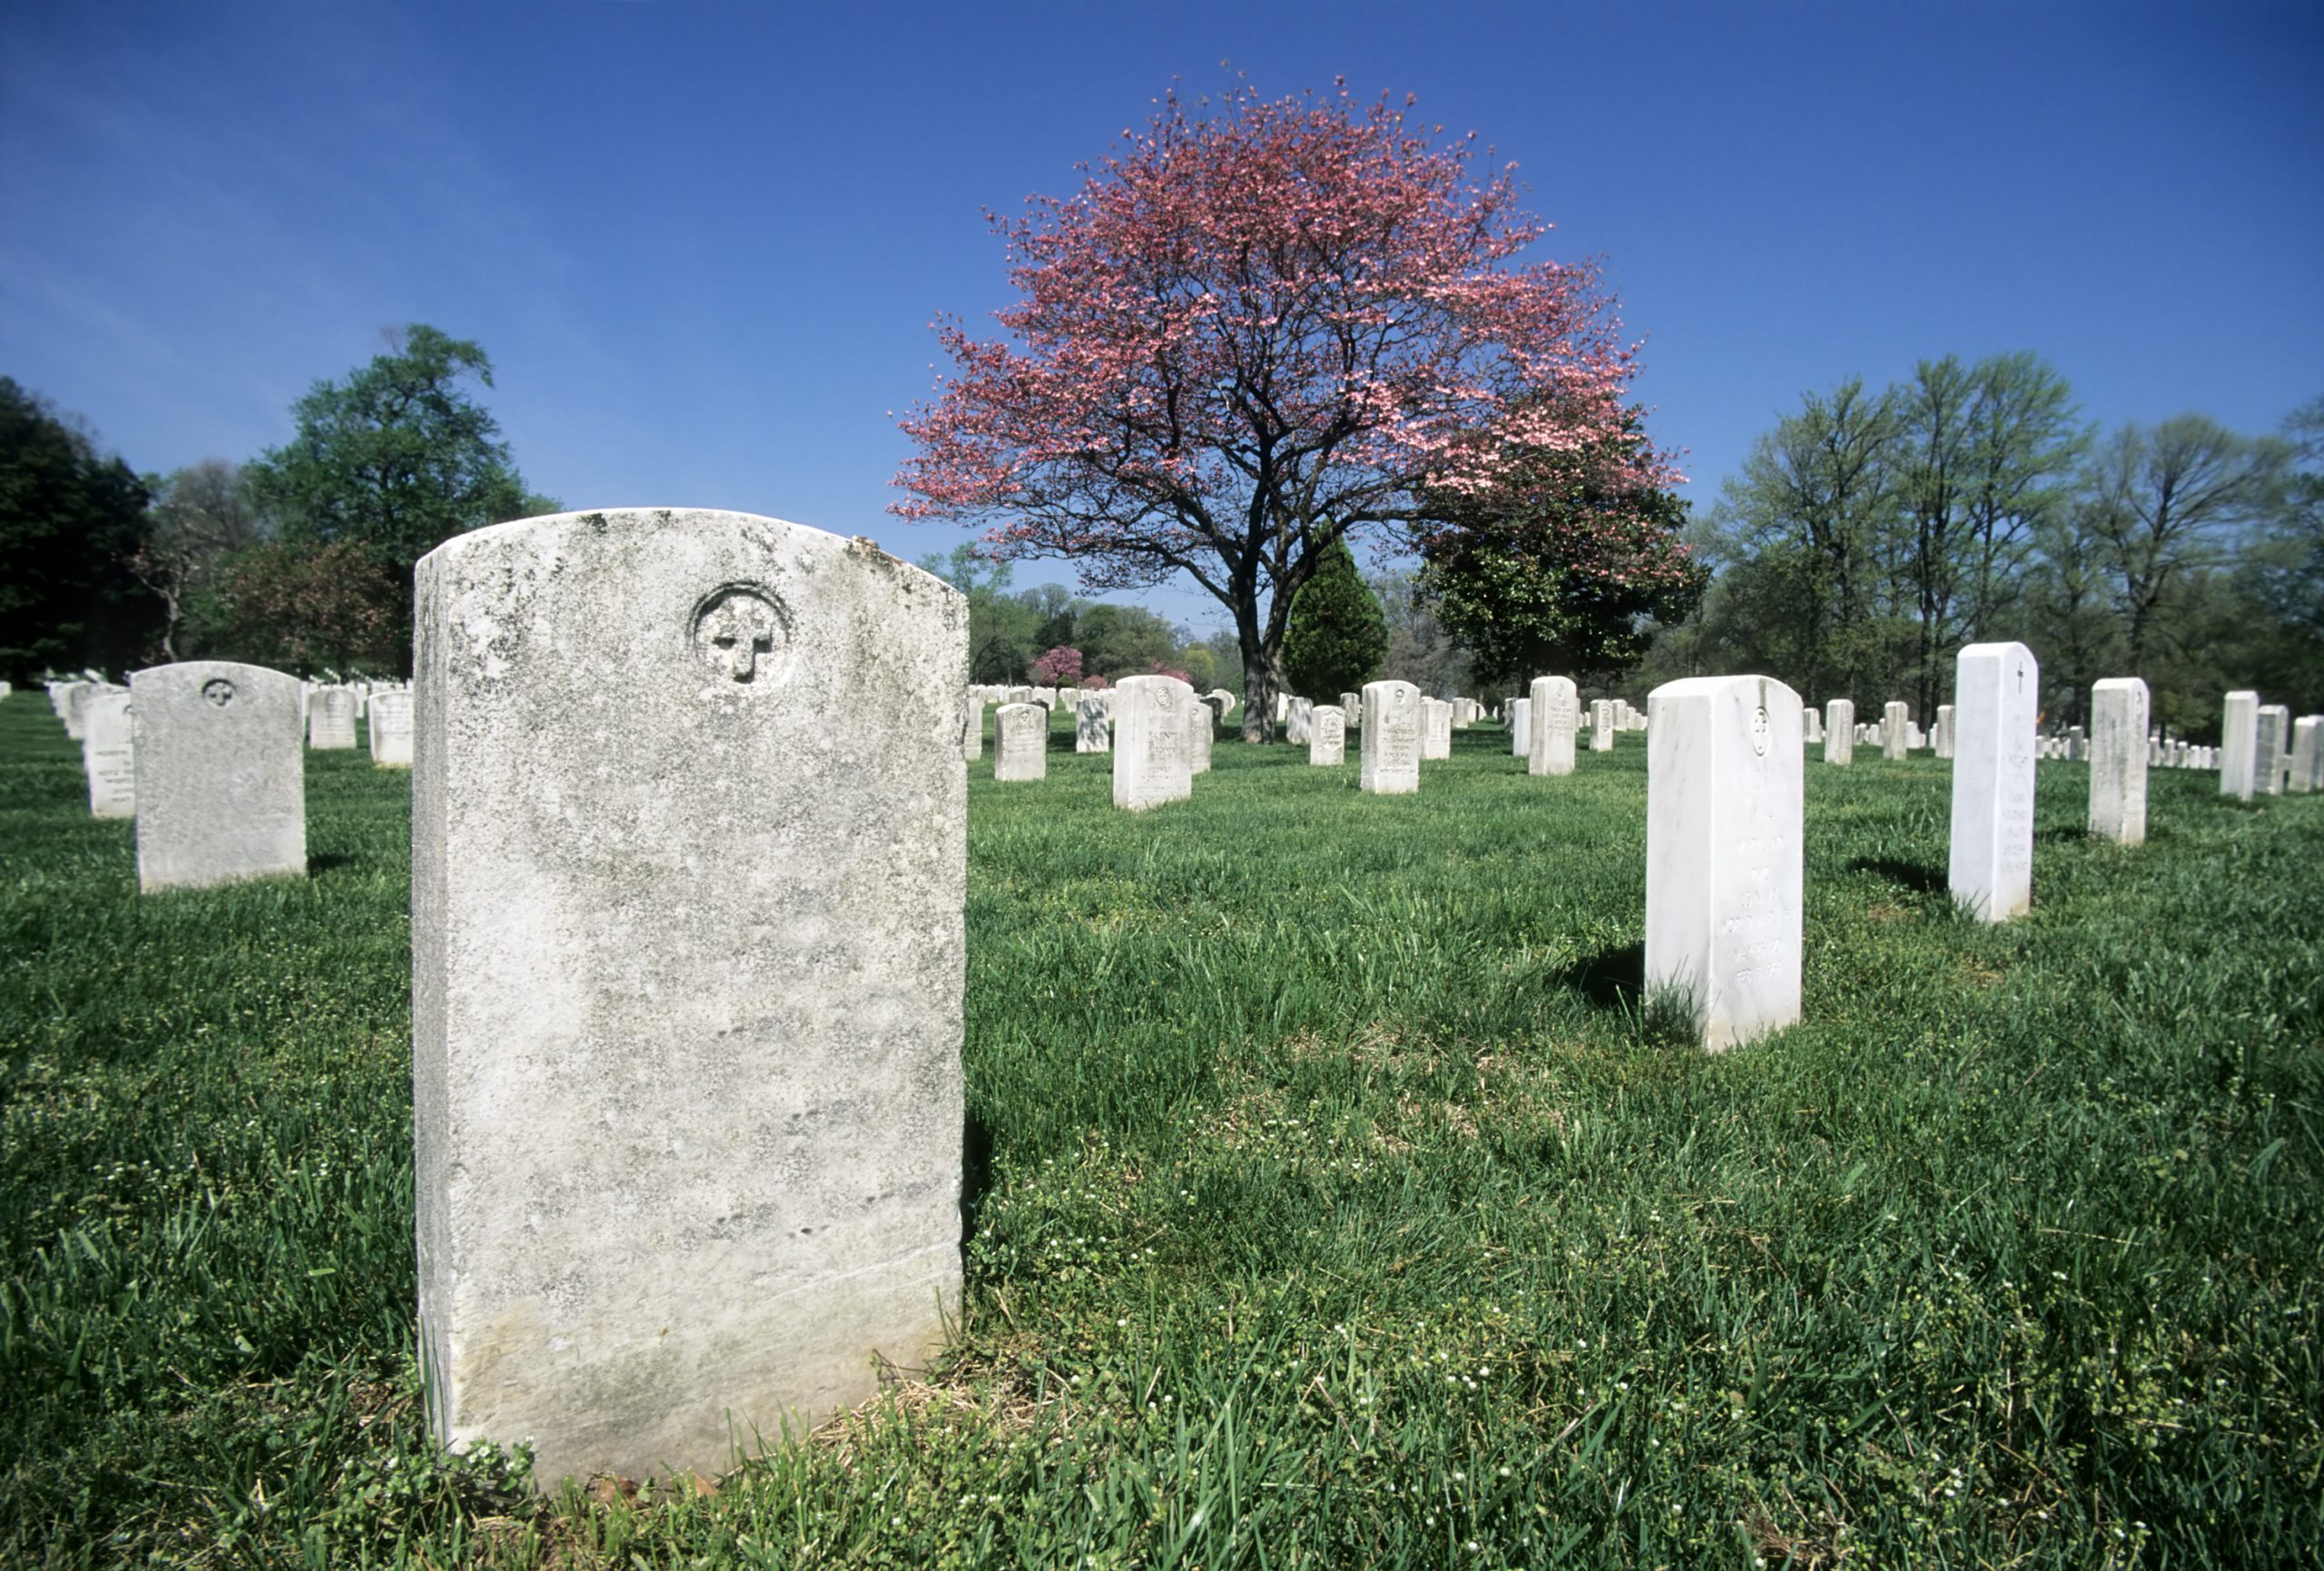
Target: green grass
{"type": "Point", "coordinates": [1334, 1201]}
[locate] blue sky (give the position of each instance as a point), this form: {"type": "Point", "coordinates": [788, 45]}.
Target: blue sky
{"type": "Point", "coordinates": [703, 243]}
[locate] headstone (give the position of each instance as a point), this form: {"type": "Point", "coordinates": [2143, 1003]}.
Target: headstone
{"type": "Point", "coordinates": [331, 719]}
{"type": "Point", "coordinates": [1352, 707]}
{"type": "Point", "coordinates": [972, 727]}
{"type": "Point", "coordinates": [2307, 755]}
{"type": "Point", "coordinates": [1390, 750]}
{"type": "Point", "coordinates": [1811, 725]}
{"type": "Point", "coordinates": [686, 1031]}
{"type": "Point", "coordinates": [2118, 760]}
{"type": "Point", "coordinates": [76, 698]}
{"type": "Point", "coordinates": [2238, 741]}
{"type": "Point", "coordinates": [1839, 731]}
{"type": "Point", "coordinates": [1602, 726]}
{"type": "Point", "coordinates": [1436, 730]}
{"type": "Point", "coordinates": [1202, 730]}
{"type": "Point", "coordinates": [1942, 737]}
{"type": "Point", "coordinates": [222, 779]}
{"type": "Point", "coordinates": [1724, 882]}
{"type": "Point", "coordinates": [1296, 719]}
{"type": "Point", "coordinates": [1020, 742]}
{"type": "Point", "coordinates": [1996, 698]}
{"type": "Point", "coordinates": [2077, 743]}
{"type": "Point", "coordinates": [109, 756]}
{"type": "Point", "coordinates": [1282, 708]}
{"type": "Point", "coordinates": [1227, 702]}
{"type": "Point", "coordinates": [1553, 712]}
{"type": "Point", "coordinates": [1327, 739]}
{"type": "Point", "coordinates": [1521, 727]}
{"type": "Point", "coordinates": [1150, 764]}
{"type": "Point", "coordinates": [1893, 737]}
{"type": "Point", "coordinates": [2271, 749]}
{"type": "Point", "coordinates": [390, 728]}
{"type": "Point", "coordinates": [1089, 731]}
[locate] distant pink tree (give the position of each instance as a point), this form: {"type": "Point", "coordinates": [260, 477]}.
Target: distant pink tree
{"type": "Point", "coordinates": [1058, 667]}
{"type": "Point", "coordinates": [1254, 331]}
{"type": "Point", "coordinates": [1159, 669]}
{"type": "Point", "coordinates": [1093, 681]}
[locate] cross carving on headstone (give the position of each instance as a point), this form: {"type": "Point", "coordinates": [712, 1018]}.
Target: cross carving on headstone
{"type": "Point", "coordinates": [735, 630]}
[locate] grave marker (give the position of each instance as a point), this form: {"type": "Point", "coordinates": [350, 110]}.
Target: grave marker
{"type": "Point", "coordinates": [221, 782]}
{"type": "Point", "coordinates": [1327, 743]}
{"type": "Point", "coordinates": [1554, 715]}
{"type": "Point", "coordinates": [1521, 727]}
{"type": "Point", "coordinates": [1091, 733]}
{"type": "Point", "coordinates": [686, 1031]}
{"type": "Point", "coordinates": [1020, 742]}
{"type": "Point", "coordinates": [1150, 764]}
{"type": "Point", "coordinates": [390, 728]}
{"type": "Point", "coordinates": [1390, 754]}
{"type": "Point", "coordinates": [109, 756]}
{"type": "Point", "coordinates": [2238, 741]}
{"type": "Point", "coordinates": [2118, 760]}
{"type": "Point", "coordinates": [1724, 881]}
{"type": "Point", "coordinates": [1997, 697]}
{"type": "Point", "coordinates": [331, 719]}
{"type": "Point", "coordinates": [1839, 731]}
{"type": "Point", "coordinates": [1436, 730]}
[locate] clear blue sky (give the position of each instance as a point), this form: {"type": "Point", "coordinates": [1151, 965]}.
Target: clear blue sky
{"type": "Point", "coordinates": [702, 242]}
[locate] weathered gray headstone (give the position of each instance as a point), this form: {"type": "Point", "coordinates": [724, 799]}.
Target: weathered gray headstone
{"type": "Point", "coordinates": [331, 719]}
{"type": "Point", "coordinates": [2118, 760]}
{"type": "Point", "coordinates": [1996, 699]}
{"type": "Point", "coordinates": [1090, 732]}
{"type": "Point", "coordinates": [1811, 725]}
{"type": "Point", "coordinates": [1602, 726]}
{"type": "Point", "coordinates": [109, 756]}
{"type": "Point", "coordinates": [1724, 882]}
{"type": "Point", "coordinates": [1327, 741]}
{"type": "Point", "coordinates": [1020, 742]}
{"type": "Point", "coordinates": [1553, 716]}
{"type": "Point", "coordinates": [1390, 750]}
{"type": "Point", "coordinates": [1352, 707]}
{"type": "Point", "coordinates": [1150, 764]}
{"type": "Point", "coordinates": [389, 721]}
{"type": "Point", "coordinates": [1521, 727]}
{"type": "Point", "coordinates": [972, 727]}
{"type": "Point", "coordinates": [1941, 737]}
{"type": "Point", "coordinates": [1435, 728]}
{"type": "Point", "coordinates": [221, 781]}
{"type": "Point", "coordinates": [686, 1031]}
{"type": "Point", "coordinates": [1202, 732]}
{"type": "Point", "coordinates": [1839, 731]}
{"type": "Point", "coordinates": [1296, 719]}
{"type": "Point", "coordinates": [2238, 741]}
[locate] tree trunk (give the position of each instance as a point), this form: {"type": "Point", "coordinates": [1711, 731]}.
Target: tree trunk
{"type": "Point", "coordinates": [1262, 679]}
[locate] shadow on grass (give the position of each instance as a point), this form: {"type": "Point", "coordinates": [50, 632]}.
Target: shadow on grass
{"type": "Point", "coordinates": [976, 1172]}
{"type": "Point", "coordinates": [1917, 877]}
{"type": "Point", "coordinates": [1611, 979]}
{"type": "Point", "coordinates": [2061, 835]}
{"type": "Point", "coordinates": [329, 861]}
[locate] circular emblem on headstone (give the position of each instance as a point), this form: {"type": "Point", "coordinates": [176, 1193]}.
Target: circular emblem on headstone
{"type": "Point", "coordinates": [1759, 732]}
{"type": "Point", "coordinates": [735, 628]}
{"type": "Point", "coordinates": [219, 691]}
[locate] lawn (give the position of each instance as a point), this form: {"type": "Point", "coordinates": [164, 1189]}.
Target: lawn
{"type": "Point", "coordinates": [1332, 1200]}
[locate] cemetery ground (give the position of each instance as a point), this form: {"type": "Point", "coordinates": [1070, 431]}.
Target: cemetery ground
{"type": "Point", "coordinates": [1334, 1200]}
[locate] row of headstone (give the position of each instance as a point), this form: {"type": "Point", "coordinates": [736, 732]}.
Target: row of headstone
{"type": "Point", "coordinates": [2264, 752]}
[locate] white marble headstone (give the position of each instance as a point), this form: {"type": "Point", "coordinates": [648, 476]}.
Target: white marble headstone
{"type": "Point", "coordinates": [1521, 728]}
{"type": "Point", "coordinates": [1327, 740]}
{"type": "Point", "coordinates": [1724, 880]}
{"type": "Point", "coordinates": [1020, 742]}
{"type": "Point", "coordinates": [1996, 703]}
{"type": "Point", "coordinates": [109, 756]}
{"type": "Point", "coordinates": [389, 719]}
{"type": "Point", "coordinates": [1391, 738]}
{"type": "Point", "coordinates": [221, 782]}
{"type": "Point", "coordinates": [2118, 760]}
{"type": "Point", "coordinates": [2239, 743]}
{"type": "Point", "coordinates": [1553, 715]}
{"type": "Point", "coordinates": [1150, 762]}
{"type": "Point", "coordinates": [1091, 733]}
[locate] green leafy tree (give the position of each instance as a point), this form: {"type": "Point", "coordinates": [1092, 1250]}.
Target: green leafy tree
{"type": "Point", "coordinates": [1120, 642]}
{"type": "Point", "coordinates": [307, 606]}
{"type": "Point", "coordinates": [1338, 636]}
{"type": "Point", "coordinates": [1567, 568]}
{"type": "Point", "coordinates": [201, 515]}
{"type": "Point", "coordinates": [71, 521]}
{"type": "Point", "coordinates": [395, 459]}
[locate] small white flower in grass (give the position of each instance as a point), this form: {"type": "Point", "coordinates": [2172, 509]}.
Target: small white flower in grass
{"type": "Point", "coordinates": [1117, 1324]}
{"type": "Point", "coordinates": [1457, 1477]}
{"type": "Point", "coordinates": [1504, 1472]}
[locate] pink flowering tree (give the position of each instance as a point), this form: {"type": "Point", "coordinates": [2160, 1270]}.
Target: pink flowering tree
{"type": "Point", "coordinates": [1255, 330]}
{"type": "Point", "coordinates": [1058, 668]}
